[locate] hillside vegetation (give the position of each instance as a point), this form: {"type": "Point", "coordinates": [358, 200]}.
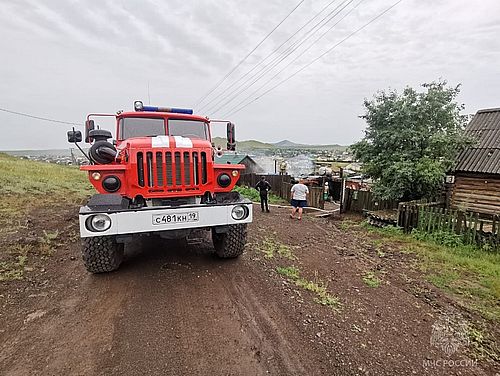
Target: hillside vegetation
{"type": "Point", "coordinates": [255, 145]}
{"type": "Point", "coordinates": [35, 193]}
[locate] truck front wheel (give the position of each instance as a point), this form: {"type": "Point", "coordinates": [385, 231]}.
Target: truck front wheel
{"type": "Point", "coordinates": [230, 244]}
{"type": "Point", "coordinates": [102, 254]}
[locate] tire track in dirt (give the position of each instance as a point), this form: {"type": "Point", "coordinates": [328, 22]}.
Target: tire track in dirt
{"type": "Point", "coordinates": [68, 332]}
{"type": "Point", "coordinates": [256, 321]}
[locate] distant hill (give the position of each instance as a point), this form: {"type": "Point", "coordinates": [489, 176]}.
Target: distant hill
{"type": "Point", "coordinates": [285, 144]}
{"type": "Point", "coordinates": [242, 145]}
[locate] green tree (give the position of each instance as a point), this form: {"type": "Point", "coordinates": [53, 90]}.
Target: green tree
{"type": "Point", "coordinates": [411, 140]}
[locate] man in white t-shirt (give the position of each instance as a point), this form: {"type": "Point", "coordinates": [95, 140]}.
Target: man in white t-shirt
{"type": "Point", "coordinates": [299, 198]}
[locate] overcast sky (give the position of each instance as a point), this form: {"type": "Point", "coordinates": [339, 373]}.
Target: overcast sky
{"type": "Point", "coordinates": [62, 59]}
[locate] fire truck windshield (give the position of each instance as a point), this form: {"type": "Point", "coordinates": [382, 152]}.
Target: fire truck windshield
{"type": "Point", "coordinates": [148, 127]}
{"type": "Point", "coordinates": [188, 128]}
{"type": "Point", "coordinates": [140, 127]}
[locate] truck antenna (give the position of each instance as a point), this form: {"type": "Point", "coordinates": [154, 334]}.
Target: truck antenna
{"type": "Point", "coordinates": [149, 96]}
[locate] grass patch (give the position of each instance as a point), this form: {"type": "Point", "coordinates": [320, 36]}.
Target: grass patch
{"type": "Point", "coordinates": [371, 280]}
{"type": "Point", "coordinates": [253, 195]}
{"type": "Point", "coordinates": [12, 268]}
{"type": "Point", "coordinates": [347, 224]}
{"type": "Point", "coordinates": [317, 287]}
{"type": "Point", "coordinates": [470, 273]}
{"type": "Point", "coordinates": [271, 247]}
{"type": "Point", "coordinates": [290, 272]}
{"type": "Point", "coordinates": [47, 242]}
{"type": "Point", "coordinates": [26, 187]}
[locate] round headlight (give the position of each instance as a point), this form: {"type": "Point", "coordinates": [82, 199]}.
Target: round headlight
{"type": "Point", "coordinates": [234, 173]}
{"type": "Point", "coordinates": [96, 175]}
{"type": "Point", "coordinates": [111, 183]}
{"type": "Point", "coordinates": [224, 180]}
{"type": "Point", "coordinates": [99, 222]}
{"type": "Point", "coordinates": [239, 212]}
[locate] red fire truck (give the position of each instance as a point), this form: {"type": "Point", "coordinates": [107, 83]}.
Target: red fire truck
{"type": "Point", "coordinates": [158, 177]}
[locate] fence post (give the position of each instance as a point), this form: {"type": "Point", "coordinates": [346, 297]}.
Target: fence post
{"type": "Point", "coordinates": [460, 219]}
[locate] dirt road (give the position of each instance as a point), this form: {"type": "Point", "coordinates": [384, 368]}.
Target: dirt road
{"type": "Point", "coordinates": [174, 309]}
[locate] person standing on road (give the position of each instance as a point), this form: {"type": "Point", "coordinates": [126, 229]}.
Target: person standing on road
{"type": "Point", "coordinates": [263, 187]}
{"type": "Point", "coordinates": [299, 198]}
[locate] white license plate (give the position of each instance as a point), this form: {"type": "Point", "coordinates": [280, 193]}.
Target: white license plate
{"type": "Point", "coordinates": [165, 219]}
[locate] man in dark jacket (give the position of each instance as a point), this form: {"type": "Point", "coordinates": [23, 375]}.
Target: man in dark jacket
{"type": "Point", "coordinates": [263, 187]}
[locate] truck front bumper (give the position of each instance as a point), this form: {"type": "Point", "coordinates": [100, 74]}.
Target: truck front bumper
{"type": "Point", "coordinates": [161, 218]}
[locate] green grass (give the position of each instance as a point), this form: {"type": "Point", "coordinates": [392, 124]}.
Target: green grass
{"type": "Point", "coordinates": [470, 273]}
{"type": "Point", "coordinates": [253, 195]}
{"type": "Point", "coordinates": [371, 280]}
{"type": "Point", "coordinates": [290, 272]}
{"type": "Point", "coordinates": [271, 247]}
{"type": "Point", "coordinates": [318, 288]}
{"type": "Point", "coordinates": [30, 188]}
{"type": "Point", "coordinates": [24, 177]}
{"type": "Point", "coordinates": [13, 261]}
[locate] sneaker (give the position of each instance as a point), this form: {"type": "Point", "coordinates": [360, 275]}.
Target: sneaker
{"type": "Point", "coordinates": [267, 211]}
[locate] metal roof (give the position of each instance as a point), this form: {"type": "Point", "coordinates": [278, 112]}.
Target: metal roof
{"type": "Point", "coordinates": [230, 158]}
{"type": "Point", "coordinates": [484, 156]}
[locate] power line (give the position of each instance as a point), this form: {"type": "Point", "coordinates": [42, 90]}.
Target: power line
{"type": "Point", "coordinates": [246, 57]}
{"type": "Point", "coordinates": [38, 117]}
{"type": "Point", "coordinates": [267, 57]}
{"type": "Point", "coordinates": [316, 59]}
{"type": "Point", "coordinates": [249, 82]}
{"type": "Point", "coordinates": [290, 51]}
{"type": "Point", "coordinates": [294, 59]}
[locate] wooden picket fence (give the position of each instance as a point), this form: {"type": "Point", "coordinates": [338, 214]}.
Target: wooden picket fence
{"type": "Point", "coordinates": [281, 186]}
{"type": "Point", "coordinates": [315, 199]}
{"type": "Point", "coordinates": [408, 212]}
{"type": "Point", "coordinates": [471, 227]}
{"type": "Point", "coordinates": [276, 181]}
{"type": "Point", "coordinates": [361, 201]}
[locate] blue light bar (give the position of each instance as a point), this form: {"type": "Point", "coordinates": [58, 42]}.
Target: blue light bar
{"type": "Point", "coordinates": [168, 109]}
{"type": "Point", "coordinates": [138, 106]}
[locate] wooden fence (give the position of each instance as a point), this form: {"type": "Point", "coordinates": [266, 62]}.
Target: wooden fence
{"type": "Point", "coordinates": [469, 226]}
{"type": "Point", "coordinates": [251, 180]}
{"type": "Point", "coordinates": [360, 201]}
{"type": "Point", "coordinates": [408, 212]}
{"type": "Point", "coordinates": [315, 199]}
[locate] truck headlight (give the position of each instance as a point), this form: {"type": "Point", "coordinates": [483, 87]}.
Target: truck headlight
{"type": "Point", "coordinates": [98, 222]}
{"type": "Point", "coordinates": [239, 212]}
{"type": "Point", "coordinates": [111, 183]}
{"type": "Point", "coordinates": [224, 180]}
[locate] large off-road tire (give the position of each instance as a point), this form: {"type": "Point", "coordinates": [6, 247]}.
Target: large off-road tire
{"type": "Point", "coordinates": [102, 254]}
{"type": "Point", "coordinates": [231, 243]}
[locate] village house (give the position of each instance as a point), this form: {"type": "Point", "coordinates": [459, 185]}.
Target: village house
{"type": "Point", "coordinates": [477, 171]}
{"type": "Point", "coordinates": [244, 159]}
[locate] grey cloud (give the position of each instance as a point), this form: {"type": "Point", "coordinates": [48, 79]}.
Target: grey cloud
{"type": "Point", "coordinates": [63, 58]}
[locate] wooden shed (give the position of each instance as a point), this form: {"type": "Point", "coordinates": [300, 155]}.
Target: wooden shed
{"type": "Point", "coordinates": [244, 159]}
{"type": "Point", "coordinates": [477, 171]}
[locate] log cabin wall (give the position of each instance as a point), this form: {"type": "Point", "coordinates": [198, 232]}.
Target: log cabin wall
{"type": "Point", "coordinates": [476, 192]}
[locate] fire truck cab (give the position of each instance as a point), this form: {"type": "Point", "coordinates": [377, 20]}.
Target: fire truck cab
{"type": "Point", "coordinates": [158, 177]}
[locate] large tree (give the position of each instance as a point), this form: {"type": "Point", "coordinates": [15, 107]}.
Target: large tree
{"type": "Point", "coordinates": [412, 139]}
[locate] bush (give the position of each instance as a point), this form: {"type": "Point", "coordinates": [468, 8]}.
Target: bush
{"type": "Point", "coordinates": [253, 195]}
{"type": "Point", "coordinates": [448, 239]}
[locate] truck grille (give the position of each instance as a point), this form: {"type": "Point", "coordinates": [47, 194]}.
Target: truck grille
{"type": "Point", "coordinates": [174, 169]}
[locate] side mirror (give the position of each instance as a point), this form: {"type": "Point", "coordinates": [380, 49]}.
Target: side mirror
{"type": "Point", "coordinates": [74, 136]}
{"type": "Point", "coordinates": [89, 126]}
{"type": "Point", "coordinates": [231, 139]}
